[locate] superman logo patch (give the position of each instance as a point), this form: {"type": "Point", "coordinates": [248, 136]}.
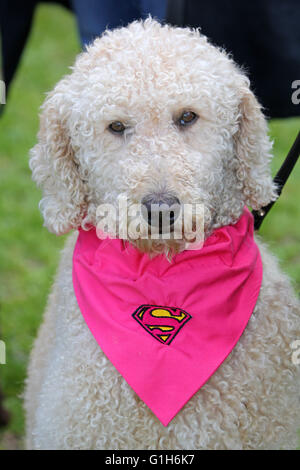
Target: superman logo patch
{"type": "Point", "coordinates": [163, 323]}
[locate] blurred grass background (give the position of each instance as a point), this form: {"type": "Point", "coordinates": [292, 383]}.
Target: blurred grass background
{"type": "Point", "coordinates": [28, 253]}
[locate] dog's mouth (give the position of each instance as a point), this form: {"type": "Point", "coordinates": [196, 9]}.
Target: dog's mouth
{"type": "Point", "coordinates": [155, 228]}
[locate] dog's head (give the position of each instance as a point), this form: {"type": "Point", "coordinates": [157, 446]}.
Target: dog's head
{"type": "Point", "coordinates": [159, 115]}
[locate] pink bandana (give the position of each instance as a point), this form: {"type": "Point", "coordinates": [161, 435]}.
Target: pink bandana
{"type": "Point", "coordinates": [167, 327]}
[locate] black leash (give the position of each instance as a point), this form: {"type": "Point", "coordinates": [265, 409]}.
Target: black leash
{"type": "Point", "coordinates": [280, 180]}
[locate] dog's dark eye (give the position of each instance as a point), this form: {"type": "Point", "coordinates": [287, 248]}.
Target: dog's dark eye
{"type": "Point", "coordinates": [117, 127]}
{"type": "Point", "coordinates": [186, 118]}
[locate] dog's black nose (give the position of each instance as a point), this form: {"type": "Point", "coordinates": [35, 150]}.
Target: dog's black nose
{"type": "Point", "coordinates": [161, 210]}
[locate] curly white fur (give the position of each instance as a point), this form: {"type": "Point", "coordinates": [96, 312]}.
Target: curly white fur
{"type": "Point", "coordinates": [145, 75]}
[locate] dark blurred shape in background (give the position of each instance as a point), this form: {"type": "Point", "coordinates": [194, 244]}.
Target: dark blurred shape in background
{"type": "Point", "coordinates": [4, 415]}
{"type": "Point", "coordinates": [94, 16]}
{"type": "Point", "coordinates": [263, 37]}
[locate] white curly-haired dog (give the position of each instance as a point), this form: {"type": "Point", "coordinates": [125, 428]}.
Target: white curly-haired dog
{"type": "Point", "coordinates": [143, 79]}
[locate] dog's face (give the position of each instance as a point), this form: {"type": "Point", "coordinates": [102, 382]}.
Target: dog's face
{"type": "Point", "coordinates": [156, 114]}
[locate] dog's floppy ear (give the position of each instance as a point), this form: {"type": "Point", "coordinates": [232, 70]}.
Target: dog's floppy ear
{"type": "Point", "coordinates": [53, 166]}
{"type": "Point", "coordinates": [253, 150]}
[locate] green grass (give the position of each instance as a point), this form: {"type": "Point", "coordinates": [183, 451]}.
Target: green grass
{"type": "Point", "coordinates": [28, 253]}
{"type": "Point", "coordinates": [282, 225]}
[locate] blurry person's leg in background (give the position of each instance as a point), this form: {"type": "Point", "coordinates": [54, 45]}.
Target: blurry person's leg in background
{"type": "Point", "coordinates": [94, 16]}
{"type": "Point", "coordinates": [15, 24]}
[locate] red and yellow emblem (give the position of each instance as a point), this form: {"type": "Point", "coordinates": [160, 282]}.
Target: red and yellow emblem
{"type": "Point", "coordinates": [163, 323]}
